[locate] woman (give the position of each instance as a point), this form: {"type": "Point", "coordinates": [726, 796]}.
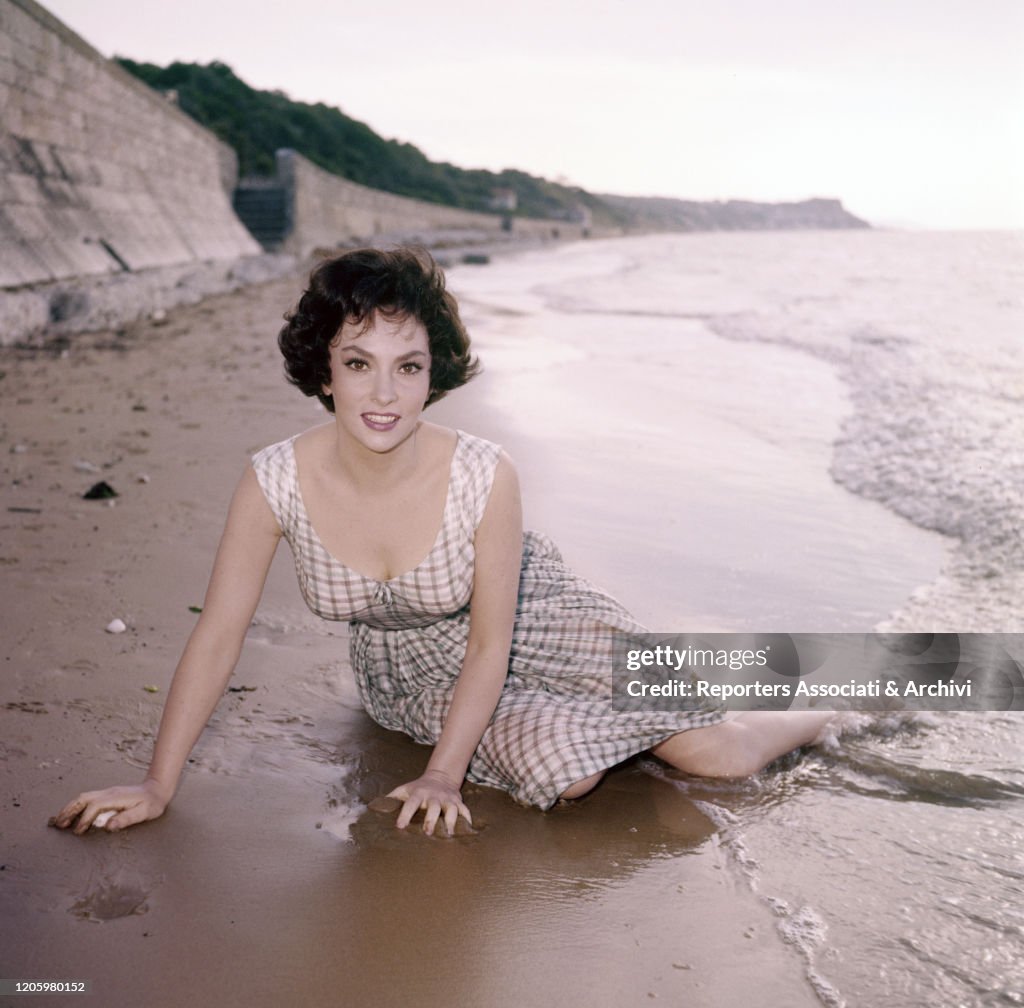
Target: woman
{"type": "Point", "coordinates": [465, 634]}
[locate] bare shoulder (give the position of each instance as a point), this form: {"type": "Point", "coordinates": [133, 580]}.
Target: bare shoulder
{"type": "Point", "coordinates": [505, 470]}
{"type": "Point", "coordinates": [439, 441]}
{"type": "Point", "coordinates": [250, 511]}
{"type": "Point", "coordinates": [504, 505]}
{"type": "Point", "coordinates": [316, 442]}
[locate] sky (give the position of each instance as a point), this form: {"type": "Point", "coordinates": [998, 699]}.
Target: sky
{"type": "Point", "coordinates": [910, 111]}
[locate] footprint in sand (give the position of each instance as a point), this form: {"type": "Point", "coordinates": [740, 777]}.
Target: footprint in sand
{"type": "Point", "coordinates": [110, 896]}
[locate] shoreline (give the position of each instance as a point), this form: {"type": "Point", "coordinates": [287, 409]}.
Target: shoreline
{"type": "Point", "coordinates": [270, 844]}
{"type": "Point", "coordinates": [54, 313]}
{"type": "Point", "coordinates": [717, 453]}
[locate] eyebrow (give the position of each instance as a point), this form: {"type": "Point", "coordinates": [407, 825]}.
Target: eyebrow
{"type": "Point", "coordinates": [355, 348]}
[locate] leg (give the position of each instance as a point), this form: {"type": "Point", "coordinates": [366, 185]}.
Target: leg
{"type": "Point", "coordinates": [743, 745]}
{"type": "Point", "coordinates": [581, 787]}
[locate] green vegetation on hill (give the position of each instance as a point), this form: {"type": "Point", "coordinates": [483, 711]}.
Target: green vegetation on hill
{"type": "Point", "coordinates": [257, 123]}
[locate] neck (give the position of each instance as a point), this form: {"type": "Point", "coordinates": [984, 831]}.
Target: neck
{"type": "Point", "coordinates": [375, 471]}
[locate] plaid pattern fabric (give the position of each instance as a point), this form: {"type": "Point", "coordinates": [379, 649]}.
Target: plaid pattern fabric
{"type": "Point", "coordinates": [554, 724]}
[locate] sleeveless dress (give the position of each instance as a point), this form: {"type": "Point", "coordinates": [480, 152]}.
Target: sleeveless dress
{"type": "Point", "coordinates": [554, 723]}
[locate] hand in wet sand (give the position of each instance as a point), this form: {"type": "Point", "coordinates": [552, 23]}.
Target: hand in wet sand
{"type": "Point", "coordinates": [436, 795]}
{"type": "Point", "coordinates": [131, 805]}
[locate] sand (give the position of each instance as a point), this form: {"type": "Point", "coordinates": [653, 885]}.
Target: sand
{"type": "Point", "coordinates": [270, 880]}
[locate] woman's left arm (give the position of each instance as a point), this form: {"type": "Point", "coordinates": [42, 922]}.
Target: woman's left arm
{"type": "Point", "coordinates": [498, 546]}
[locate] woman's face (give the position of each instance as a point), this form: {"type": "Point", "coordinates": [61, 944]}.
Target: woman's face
{"type": "Point", "coordinates": [380, 380]}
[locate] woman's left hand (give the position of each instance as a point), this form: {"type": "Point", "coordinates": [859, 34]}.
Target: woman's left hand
{"type": "Point", "coordinates": [437, 795]}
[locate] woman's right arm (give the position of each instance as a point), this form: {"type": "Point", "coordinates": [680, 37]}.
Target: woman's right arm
{"type": "Point", "coordinates": [239, 573]}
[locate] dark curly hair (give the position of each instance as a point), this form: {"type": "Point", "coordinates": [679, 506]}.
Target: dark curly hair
{"type": "Point", "coordinates": [402, 282]}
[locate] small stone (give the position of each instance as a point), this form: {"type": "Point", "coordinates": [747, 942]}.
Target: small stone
{"type": "Point", "coordinates": [159, 317]}
{"type": "Point", "coordinates": [116, 626]}
{"type": "Point", "coordinates": [100, 491]}
{"type": "Point", "coordinates": [85, 466]}
{"type": "Point", "coordinates": [151, 689]}
{"type": "Point", "coordinates": [102, 819]}
{"type": "Point", "coordinates": [142, 478]}
{"type": "Point", "coordinates": [19, 449]}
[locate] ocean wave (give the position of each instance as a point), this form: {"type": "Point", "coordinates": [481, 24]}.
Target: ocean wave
{"type": "Point", "coordinates": [924, 329]}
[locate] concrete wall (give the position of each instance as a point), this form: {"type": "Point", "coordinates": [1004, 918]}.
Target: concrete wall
{"type": "Point", "coordinates": [329, 211]}
{"type": "Point", "coordinates": [98, 173]}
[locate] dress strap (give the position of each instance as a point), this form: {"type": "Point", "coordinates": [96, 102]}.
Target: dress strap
{"type": "Point", "coordinates": [472, 477]}
{"type": "Point", "coordinates": [275, 472]}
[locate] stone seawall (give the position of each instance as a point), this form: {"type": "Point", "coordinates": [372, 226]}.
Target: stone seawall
{"type": "Point", "coordinates": [100, 177]}
{"type": "Point", "coordinates": [98, 173]}
{"type": "Point", "coordinates": [325, 211]}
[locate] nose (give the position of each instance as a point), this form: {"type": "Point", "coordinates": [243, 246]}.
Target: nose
{"type": "Point", "coordinates": [384, 387]}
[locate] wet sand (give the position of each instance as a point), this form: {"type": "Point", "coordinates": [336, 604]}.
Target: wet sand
{"type": "Point", "coordinates": [269, 879]}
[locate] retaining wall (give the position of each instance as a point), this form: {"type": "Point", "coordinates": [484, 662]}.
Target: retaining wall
{"type": "Point", "coordinates": [328, 211]}
{"type": "Point", "coordinates": [99, 174]}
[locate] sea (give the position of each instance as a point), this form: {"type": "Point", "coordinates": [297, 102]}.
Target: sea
{"type": "Point", "coordinates": [803, 431]}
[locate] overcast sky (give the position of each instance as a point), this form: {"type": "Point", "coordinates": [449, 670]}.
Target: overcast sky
{"type": "Point", "coordinates": [910, 111]}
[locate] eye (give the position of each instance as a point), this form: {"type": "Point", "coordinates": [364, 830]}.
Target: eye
{"type": "Point", "coordinates": [410, 368]}
{"type": "Point", "coordinates": [356, 364]}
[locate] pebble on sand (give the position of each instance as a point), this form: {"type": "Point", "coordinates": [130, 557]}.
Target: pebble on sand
{"type": "Point", "coordinates": [100, 491]}
{"type": "Point", "coordinates": [116, 626]}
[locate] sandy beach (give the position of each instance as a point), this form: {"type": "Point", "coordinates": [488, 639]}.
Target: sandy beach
{"type": "Point", "coordinates": [733, 415]}
{"type": "Point", "coordinates": [250, 889]}
{"type": "Point", "coordinates": [270, 879]}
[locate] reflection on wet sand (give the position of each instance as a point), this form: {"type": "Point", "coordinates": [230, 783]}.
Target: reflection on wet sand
{"type": "Point", "coordinates": [600, 896]}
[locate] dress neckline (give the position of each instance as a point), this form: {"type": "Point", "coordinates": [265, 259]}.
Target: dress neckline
{"type": "Point", "coordinates": [319, 543]}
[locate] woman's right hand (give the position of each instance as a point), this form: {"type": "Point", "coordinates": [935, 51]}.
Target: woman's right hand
{"type": "Point", "coordinates": [132, 805]}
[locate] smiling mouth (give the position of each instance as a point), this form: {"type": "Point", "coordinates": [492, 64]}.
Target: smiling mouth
{"type": "Point", "coordinates": [380, 421]}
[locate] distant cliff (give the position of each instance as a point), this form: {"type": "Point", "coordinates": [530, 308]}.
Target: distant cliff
{"type": "Point", "coordinates": [647, 213]}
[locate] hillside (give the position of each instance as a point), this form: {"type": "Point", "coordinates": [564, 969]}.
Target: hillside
{"type": "Point", "coordinates": [257, 123]}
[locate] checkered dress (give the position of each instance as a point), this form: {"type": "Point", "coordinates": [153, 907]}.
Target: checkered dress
{"type": "Point", "coordinates": [554, 724]}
